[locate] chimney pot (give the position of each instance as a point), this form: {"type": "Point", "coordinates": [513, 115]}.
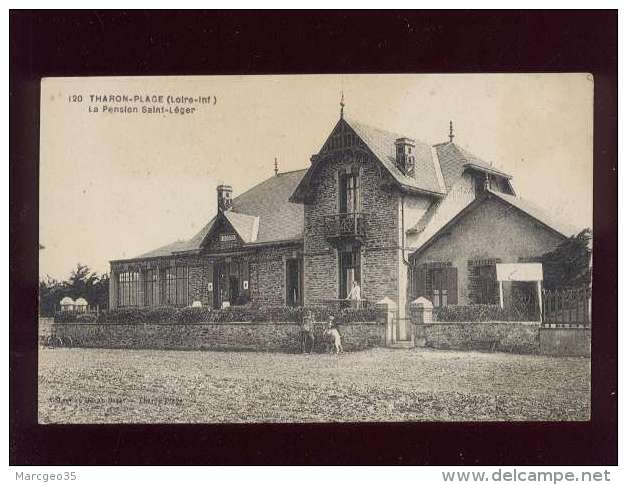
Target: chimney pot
{"type": "Point", "coordinates": [224, 197]}
{"type": "Point", "coordinates": [405, 156]}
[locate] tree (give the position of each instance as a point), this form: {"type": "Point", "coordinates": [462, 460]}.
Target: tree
{"type": "Point", "coordinates": [569, 265]}
{"type": "Point", "coordinates": [51, 291]}
{"type": "Point", "coordinates": [82, 283]}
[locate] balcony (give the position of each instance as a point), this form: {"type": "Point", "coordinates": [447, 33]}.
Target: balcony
{"type": "Point", "coordinates": [348, 226]}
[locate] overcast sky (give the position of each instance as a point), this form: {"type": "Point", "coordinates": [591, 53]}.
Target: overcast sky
{"type": "Point", "coordinates": [116, 185]}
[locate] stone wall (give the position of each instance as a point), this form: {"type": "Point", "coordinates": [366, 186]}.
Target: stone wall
{"type": "Point", "coordinates": [266, 266]}
{"type": "Point", "coordinates": [514, 337]}
{"type": "Point", "coordinates": [565, 341]}
{"type": "Point", "coordinates": [380, 252]}
{"type": "Point", "coordinates": [283, 337]}
{"type": "Point", "coordinates": [267, 273]}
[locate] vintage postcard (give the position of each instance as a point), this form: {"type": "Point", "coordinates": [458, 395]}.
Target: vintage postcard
{"type": "Point", "coordinates": [315, 248]}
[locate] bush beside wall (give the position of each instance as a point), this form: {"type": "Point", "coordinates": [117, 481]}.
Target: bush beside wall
{"type": "Point", "coordinates": [477, 313]}
{"type": "Point", "coordinates": [489, 336]}
{"type": "Point", "coordinates": [282, 337]}
{"type": "Point", "coordinates": [245, 313]}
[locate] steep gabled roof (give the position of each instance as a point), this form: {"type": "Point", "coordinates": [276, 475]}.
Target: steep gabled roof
{"type": "Point", "coordinates": [455, 159]}
{"type": "Point", "coordinates": [264, 209]}
{"type": "Point", "coordinates": [538, 213]}
{"type": "Point", "coordinates": [381, 144]}
{"type": "Point", "coordinates": [442, 214]}
{"type": "Point", "coordinates": [246, 226]}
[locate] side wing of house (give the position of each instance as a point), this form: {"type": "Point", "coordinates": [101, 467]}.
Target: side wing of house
{"type": "Point", "coordinates": [457, 265]}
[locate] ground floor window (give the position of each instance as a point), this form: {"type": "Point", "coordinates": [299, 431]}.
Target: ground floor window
{"type": "Point", "coordinates": [349, 261]}
{"type": "Point", "coordinates": [436, 281]}
{"type": "Point", "coordinates": [483, 286]}
{"type": "Point", "coordinates": [175, 286]}
{"type": "Point", "coordinates": [151, 291]}
{"type": "Point", "coordinates": [128, 288]}
{"type": "Point", "coordinates": [294, 282]}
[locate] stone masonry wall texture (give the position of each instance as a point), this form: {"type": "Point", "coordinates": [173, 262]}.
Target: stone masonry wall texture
{"type": "Point", "coordinates": [266, 278]}
{"type": "Point", "coordinates": [518, 338]}
{"type": "Point", "coordinates": [380, 251]}
{"type": "Point", "coordinates": [283, 337]}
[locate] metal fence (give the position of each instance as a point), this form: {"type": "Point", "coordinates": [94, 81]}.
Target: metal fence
{"type": "Point", "coordinates": [567, 307]}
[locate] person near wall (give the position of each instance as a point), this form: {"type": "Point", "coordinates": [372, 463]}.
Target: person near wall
{"type": "Point", "coordinates": [355, 295]}
{"type": "Point", "coordinates": [307, 338]}
{"type": "Point", "coordinates": [334, 335]}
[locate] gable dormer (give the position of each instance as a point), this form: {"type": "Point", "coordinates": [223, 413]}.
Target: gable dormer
{"type": "Point", "coordinates": [222, 236]}
{"type": "Point", "coordinates": [341, 138]}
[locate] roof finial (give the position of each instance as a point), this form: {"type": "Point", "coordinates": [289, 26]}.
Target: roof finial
{"type": "Point", "coordinates": [276, 167]}
{"type": "Point", "coordinates": [450, 132]}
{"type": "Point", "coordinates": [342, 105]}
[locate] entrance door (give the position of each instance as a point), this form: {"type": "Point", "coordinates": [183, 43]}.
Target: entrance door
{"type": "Point", "coordinates": [233, 288]}
{"type": "Point", "coordinates": [220, 286]}
{"type": "Point", "coordinates": [293, 282]}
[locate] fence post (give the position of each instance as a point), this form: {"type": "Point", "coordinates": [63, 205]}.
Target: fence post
{"type": "Point", "coordinates": [385, 311]}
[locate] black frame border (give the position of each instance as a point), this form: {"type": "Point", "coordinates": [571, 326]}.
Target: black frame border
{"type": "Point", "coordinates": [82, 43]}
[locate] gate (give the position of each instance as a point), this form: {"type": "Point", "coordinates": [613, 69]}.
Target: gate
{"type": "Point", "coordinates": [399, 331]}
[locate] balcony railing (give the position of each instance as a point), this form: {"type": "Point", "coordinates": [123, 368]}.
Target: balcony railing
{"type": "Point", "coordinates": [348, 225]}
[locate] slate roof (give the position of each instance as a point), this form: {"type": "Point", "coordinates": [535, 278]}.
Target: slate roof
{"type": "Point", "coordinates": [246, 226]}
{"type": "Point", "coordinates": [166, 250]}
{"type": "Point", "coordinates": [538, 213]}
{"type": "Point", "coordinates": [264, 214]}
{"type": "Point", "coordinates": [264, 209]}
{"type": "Point", "coordinates": [455, 159]}
{"type": "Point", "coordinates": [381, 143]}
{"type": "Point", "coordinates": [441, 213]}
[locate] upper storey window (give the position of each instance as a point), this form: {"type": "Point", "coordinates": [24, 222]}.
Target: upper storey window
{"type": "Point", "coordinates": [349, 192]}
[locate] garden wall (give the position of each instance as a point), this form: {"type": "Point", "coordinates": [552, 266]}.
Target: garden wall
{"type": "Point", "coordinates": [514, 337]}
{"type": "Point", "coordinates": [565, 341]}
{"type": "Point", "coordinates": [277, 337]}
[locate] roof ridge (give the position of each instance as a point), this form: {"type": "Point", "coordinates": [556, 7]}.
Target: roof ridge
{"type": "Point", "coordinates": [291, 171]}
{"type": "Point", "coordinates": [272, 177]}
{"type": "Point", "coordinates": [383, 130]}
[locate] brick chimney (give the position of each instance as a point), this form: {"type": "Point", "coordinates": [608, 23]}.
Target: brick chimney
{"type": "Point", "coordinates": [405, 157]}
{"type": "Point", "coordinates": [224, 197]}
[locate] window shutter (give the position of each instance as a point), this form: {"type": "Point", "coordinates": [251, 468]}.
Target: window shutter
{"type": "Point", "coordinates": [243, 274]}
{"type": "Point", "coordinates": [451, 284]}
{"type": "Point", "coordinates": [420, 281]}
{"type": "Point", "coordinates": [209, 280]}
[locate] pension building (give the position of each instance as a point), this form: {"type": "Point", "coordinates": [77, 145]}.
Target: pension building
{"type": "Point", "coordinates": [402, 217]}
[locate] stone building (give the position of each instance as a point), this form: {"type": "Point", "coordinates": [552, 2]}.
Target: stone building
{"type": "Point", "coordinates": [402, 217]}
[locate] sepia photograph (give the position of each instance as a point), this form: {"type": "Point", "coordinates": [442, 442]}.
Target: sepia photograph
{"type": "Point", "coordinates": [315, 248]}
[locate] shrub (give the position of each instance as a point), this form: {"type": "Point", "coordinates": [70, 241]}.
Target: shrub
{"type": "Point", "coordinates": [349, 315]}
{"type": "Point", "coordinates": [244, 313]}
{"type": "Point", "coordinates": [64, 317]}
{"type": "Point", "coordinates": [161, 314]}
{"type": "Point", "coordinates": [319, 313]}
{"type": "Point", "coordinates": [278, 314]}
{"type": "Point", "coordinates": [124, 315]}
{"type": "Point", "coordinates": [476, 313]}
{"type": "Point", "coordinates": [86, 318]}
{"type": "Point", "coordinates": [193, 315]}
{"type": "Point", "coordinates": [231, 314]}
